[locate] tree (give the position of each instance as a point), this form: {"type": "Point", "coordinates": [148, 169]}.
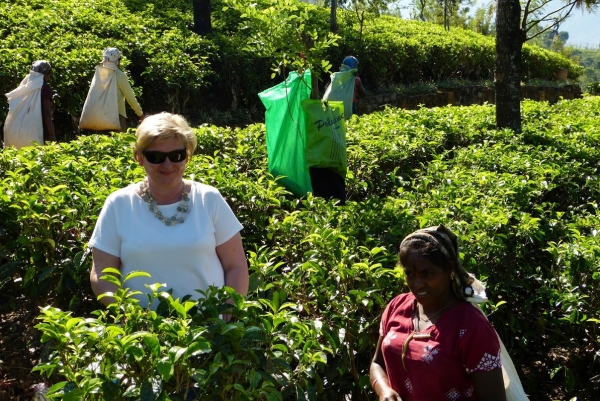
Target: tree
{"type": "Point", "coordinates": [444, 12]}
{"type": "Point", "coordinates": [202, 21]}
{"type": "Point", "coordinates": [288, 32]}
{"type": "Point", "coordinates": [514, 26]}
{"type": "Point", "coordinates": [365, 9]}
{"type": "Point", "coordinates": [333, 17]}
{"type": "Point", "coordinates": [483, 20]}
{"type": "Point", "coordinates": [509, 42]}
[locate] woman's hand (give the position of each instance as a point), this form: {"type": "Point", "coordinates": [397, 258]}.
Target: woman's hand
{"type": "Point", "coordinates": [388, 394]}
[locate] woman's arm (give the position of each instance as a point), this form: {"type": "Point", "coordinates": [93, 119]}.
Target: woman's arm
{"type": "Point", "coordinates": [233, 259]}
{"type": "Point", "coordinates": [379, 377]}
{"type": "Point", "coordinates": [125, 87]}
{"type": "Point", "coordinates": [47, 120]}
{"type": "Point", "coordinates": [100, 261]}
{"type": "Point", "coordinates": [360, 88]}
{"type": "Point", "coordinates": [489, 386]}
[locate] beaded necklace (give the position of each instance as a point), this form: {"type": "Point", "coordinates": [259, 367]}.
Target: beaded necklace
{"type": "Point", "coordinates": [177, 218]}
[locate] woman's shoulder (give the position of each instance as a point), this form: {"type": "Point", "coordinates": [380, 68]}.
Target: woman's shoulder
{"type": "Point", "coordinates": [206, 191]}
{"type": "Point", "coordinates": [467, 314]}
{"type": "Point", "coordinates": [471, 311]}
{"type": "Point", "coordinates": [402, 301]}
{"type": "Point", "coordinates": [200, 186]}
{"type": "Point", "coordinates": [399, 308]}
{"type": "Point", "coordinates": [123, 193]}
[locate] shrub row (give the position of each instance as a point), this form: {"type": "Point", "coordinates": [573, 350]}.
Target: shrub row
{"type": "Point", "coordinates": [176, 70]}
{"type": "Point", "coordinates": [524, 206]}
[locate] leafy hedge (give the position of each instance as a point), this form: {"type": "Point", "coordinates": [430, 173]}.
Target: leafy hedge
{"type": "Point", "coordinates": [166, 60]}
{"type": "Point", "coordinates": [396, 51]}
{"type": "Point", "coordinates": [173, 69]}
{"type": "Point", "coordinates": [525, 208]}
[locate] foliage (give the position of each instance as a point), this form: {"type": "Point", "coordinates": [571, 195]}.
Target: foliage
{"type": "Point", "coordinates": [172, 69]}
{"type": "Point", "coordinates": [184, 351]}
{"type": "Point", "coordinates": [589, 58]}
{"type": "Point", "coordinates": [366, 11]}
{"type": "Point", "coordinates": [541, 64]}
{"type": "Point", "coordinates": [444, 12]}
{"type": "Point", "coordinates": [287, 31]}
{"type": "Point", "coordinates": [413, 54]}
{"type": "Point", "coordinates": [594, 88]}
{"type": "Point", "coordinates": [552, 40]}
{"type": "Point", "coordinates": [483, 20]}
{"type": "Point", "coordinates": [524, 206]}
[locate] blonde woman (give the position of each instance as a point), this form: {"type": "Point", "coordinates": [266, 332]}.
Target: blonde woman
{"type": "Point", "coordinates": [181, 232]}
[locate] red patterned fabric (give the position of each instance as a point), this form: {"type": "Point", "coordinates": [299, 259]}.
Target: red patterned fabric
{"type": "Point", "coordinates": [46, 95]}
{"type": "Point", "coordinates": [462, 341]}
{"type": "Point", "coordinates": [357, 84]}
{"type": "Point", "coordinates": [46, 92]}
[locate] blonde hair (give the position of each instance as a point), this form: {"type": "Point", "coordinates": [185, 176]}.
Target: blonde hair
{"type": "Point", "coordinates": [162, 126]}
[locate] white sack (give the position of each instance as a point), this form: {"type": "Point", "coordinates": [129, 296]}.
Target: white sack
{"type": "Point", "coordinates": [24, 120]}
{"type": "Point", "coordinates": [101, 107]}
{"type": "Point", "coordinates": [341, 88]}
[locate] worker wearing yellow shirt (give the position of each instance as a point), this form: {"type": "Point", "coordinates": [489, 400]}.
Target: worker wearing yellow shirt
{"type": "Point", "coordinates": [112, 59]}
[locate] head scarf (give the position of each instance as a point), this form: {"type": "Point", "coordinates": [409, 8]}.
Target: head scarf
{"type": "Point", "coordinates": [465, 285]}
{"type": "Point", "coordinates": [41, 66]}
{"type": "Point", "coordinates": [112, 54]}
{"type": "Point", "coordinates": [350, 61]}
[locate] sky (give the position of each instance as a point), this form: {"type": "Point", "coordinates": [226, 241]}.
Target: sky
{"type": "Point", "coordinates": [583, 28]}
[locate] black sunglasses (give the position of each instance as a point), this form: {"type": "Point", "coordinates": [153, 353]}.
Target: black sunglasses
{"type": "Point", "coordinates": [158, 157]}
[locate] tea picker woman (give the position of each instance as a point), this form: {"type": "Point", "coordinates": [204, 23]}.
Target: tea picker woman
{"type": "Point", "coordinates": [434, 343]}
{"type": "Point", "coordinates": [112, 59]}
{"type": "Point", "coordinates": [104, 108]}
{"type": "Point", "coordinates": [29, 118]}
{"type": "Point", "coordinates": [181, 232]}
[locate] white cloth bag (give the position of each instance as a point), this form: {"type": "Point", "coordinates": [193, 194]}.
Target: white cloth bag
{"type": "Point", "coordinates": [24, 123]}
{"type": "Point", "coordinates": [101, 108]}
{"type": "Point", "coordinates": [512, 383]}
{"type": "Point", "coordinates": [341, 88]}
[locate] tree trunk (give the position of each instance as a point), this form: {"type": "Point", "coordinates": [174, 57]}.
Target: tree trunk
{"type": "Point", "coordinates": [333, 17]}
{"type": "Point", "coordinates": [507, 77]}
{"type": "Point", "coordinates": [202, 21]}
{"type": "Point", "coordinates": [314, 90]}
{"type": "Point", "coordinates": [446, 18]}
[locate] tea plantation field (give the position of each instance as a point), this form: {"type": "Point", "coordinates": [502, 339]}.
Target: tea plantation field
{"type": "Point", "coordinates": [525, 207]}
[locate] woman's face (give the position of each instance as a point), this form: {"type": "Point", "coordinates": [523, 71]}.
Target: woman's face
{"type": "Point", "coordinates": [429, 283]}
{"type": "Point", "coordinates": [168, 174]}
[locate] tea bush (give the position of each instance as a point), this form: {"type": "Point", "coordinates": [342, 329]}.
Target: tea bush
{"type": "Point", "coordinates": [524, 206]}
{"type": "Point", "coordinates": [210, 77]}
{"type": "Point", "coordinates": [185, 351]}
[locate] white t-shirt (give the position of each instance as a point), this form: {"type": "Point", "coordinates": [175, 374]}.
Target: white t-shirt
{"type": "Point", "coordinates": [183, 256]}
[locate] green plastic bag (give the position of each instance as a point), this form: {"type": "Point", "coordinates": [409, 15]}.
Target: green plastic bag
{"type": "Point", "coordinates": [285, 123]}
{"type": "Point", "coordinates": [325, 135]}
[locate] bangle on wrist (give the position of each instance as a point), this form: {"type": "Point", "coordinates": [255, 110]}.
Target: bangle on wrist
{"type": "Point", "coordinates": [376, 380]}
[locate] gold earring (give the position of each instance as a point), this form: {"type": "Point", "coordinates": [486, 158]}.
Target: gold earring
{"type": "Point", "coordinates": [452, 276]}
